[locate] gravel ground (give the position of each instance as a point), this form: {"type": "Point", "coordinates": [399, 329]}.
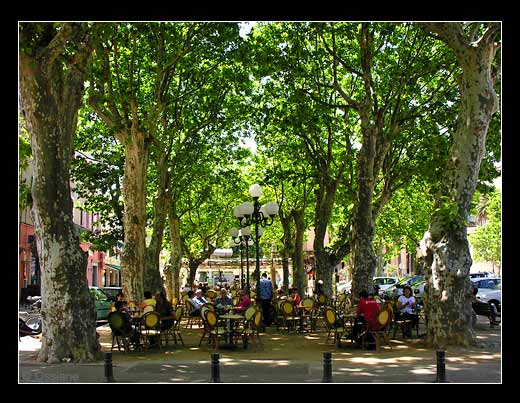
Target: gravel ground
{"type": "Point", "coordinates": [284, 358]}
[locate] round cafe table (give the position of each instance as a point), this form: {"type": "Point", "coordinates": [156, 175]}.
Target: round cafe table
{"type": "Point", "coordinates": [232, 319]}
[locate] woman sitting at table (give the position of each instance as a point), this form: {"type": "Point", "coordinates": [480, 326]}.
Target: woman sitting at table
{"type": "Point", "coordinates": [119, 297]}
{"type": "Point", "coordinates": [148, 301]}
{"type": "Point", "coordinates": [122, 307]}
{"type": "Point", "coordinates": [223, 302]}
{"type": "Point", "coordinates": [244, 303]}
{"type": "Point", "coordinates": [165, 310]}
{"type": "Point", "coordinates": [405, 305]}
{"type": "Point", "coordinates": [295, 296]}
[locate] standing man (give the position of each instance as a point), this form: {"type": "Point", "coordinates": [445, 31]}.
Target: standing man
{"type": "Point", "coordinates": [265, 290]}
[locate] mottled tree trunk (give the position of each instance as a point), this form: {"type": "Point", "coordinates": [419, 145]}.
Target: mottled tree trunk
{"type": "Point", "coordinates": [445, 245]}
{"type": "Point", "coordinates": [325, 262]}
{"type": "Point", "coordinates": [363, 223]}
{"type": "Point", "coordinates": [299, 272]}
{"type": "Point", "coordinates": [288, 247]}
{"type": "Point", "coordinates": [134, 196]}
{"type": "Point", "coordinates": [51, 90]}
{"type": "Point", "coordinates": [152, 276]}
{"type": "Point", "coordinates": [380, 261]}
{"type": "Point", "coordinates": [168, 281]}
{"type": "Point", "coordinates": [285, 270]}
{"type": "Point", "coordinates": [193, 265]}
{"type": "Point", "coordinates": [176, 253]}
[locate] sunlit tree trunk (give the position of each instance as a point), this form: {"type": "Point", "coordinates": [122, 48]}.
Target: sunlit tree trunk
{"type": "Point", "coordinates": [134, 218]}
{"type": "Point", "coordinates": [176, 254]}
{"type": "Point", "coordinates": [152, 277]}
{"type": "Point", "coordinates": [445, 244]}
{"type": "Point", "coordinates": [51, 90]}
{"type": "Point", "coordinates": [299, 272]}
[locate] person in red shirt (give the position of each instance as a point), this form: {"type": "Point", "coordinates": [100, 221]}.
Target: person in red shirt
{"type": "Point", "coordinates": [245, 302]}
{"type": "Point", "coordinates": [366, 312]}
{"type": "Point", "coordinates": [295, 296]}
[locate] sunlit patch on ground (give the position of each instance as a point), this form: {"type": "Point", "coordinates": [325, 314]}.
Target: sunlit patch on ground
{"type": "Point", "coordinates": [423, 371]}
{"type": "Point", "coordinates": [485, 356]}
{"type": "Point", "coordinates": [29, 343]}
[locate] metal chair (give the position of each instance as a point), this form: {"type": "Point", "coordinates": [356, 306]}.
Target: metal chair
{"type": "Point", "coordinates": [382, 329]}
{"type": "Point", "coordinates": [290, 317]}
{"type": "Point", "coordinates": [151, 327]}
{"type": "Point", "coordinates": [251, 331]}
{"type": "Point", "coordinates": [121, 332]}
{"type": "Point", "coordinates": [175, 331]}
{"type": "Point", "coordinates": [214, 331]}
{"type": "Point", "coordinates": [334, 326]}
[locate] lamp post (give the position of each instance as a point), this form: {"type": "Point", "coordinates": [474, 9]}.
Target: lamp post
{"type": "Point", "coordinates": [261, 216]}
{"type": "Point", "coordinates": [242, 238]}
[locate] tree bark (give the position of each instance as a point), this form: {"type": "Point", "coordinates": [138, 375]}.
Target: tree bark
{"type": "Point", "coordinates": [299, 272]}
{"type": "Point", "coordinates": [134, 196]}
{"type": "Point", "coordinates": [445, 245]}
{"type": "Point", "coordinates": [325, 262]}
{"type": "Point", "coordinates": [288, 248]}
{"type": "Point", "coordinates": [152, 276]}
{"type": "Point", "coordinates": [50, 96]}
{"type": "Point", "coordinates": [363, 225]}
{"type": "Point", "coordinates": [176, 253]}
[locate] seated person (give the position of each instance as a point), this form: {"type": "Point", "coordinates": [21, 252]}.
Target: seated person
{"type": "Point", "coordinates": [295, 296]}
{"type": "Point", "coordinates": [195, 304]}
{"type": "Point", "coordinates": [121, 306]}
{"type": "Point", "coordinates": [223, 301]}
{"type": "Point", "coordinates": [244, 303]}
{"type": "Point", "coordinates": [165, 310]}
{"type": "Point", "coordinates": [119, 297]}
{"type": "Point", "coordinates": [405, 305]}
{"type": "Point", "coordinates": [148, 301]}
{"type": "Point", "coordinates": [199, 299]}
{"type": "Point", "coordinates": [366, 314]}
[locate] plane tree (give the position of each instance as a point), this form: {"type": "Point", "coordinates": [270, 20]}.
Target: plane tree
{"type": "Point", "coordinates": [445, 244]}
{"type": "Point", "coordinates": [52, 68]}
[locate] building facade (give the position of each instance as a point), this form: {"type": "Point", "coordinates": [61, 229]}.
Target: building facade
{"type": "Point", "coordinates": [103, 269]}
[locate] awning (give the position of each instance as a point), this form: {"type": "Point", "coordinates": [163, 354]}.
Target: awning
{"type": "Point", "coordinates": [113, 266]}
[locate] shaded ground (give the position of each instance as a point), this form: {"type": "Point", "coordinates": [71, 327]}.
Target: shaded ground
{"type": "Point", "coordinates": [285, 358]}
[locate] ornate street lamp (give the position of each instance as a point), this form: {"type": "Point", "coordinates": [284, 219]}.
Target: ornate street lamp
{"type": "Point", "coordinates": [261, 216]}
{"type": "Point", "coordinates": [242, 238]}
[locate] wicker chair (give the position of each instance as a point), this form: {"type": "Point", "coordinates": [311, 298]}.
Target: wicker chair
{"type": "Point", "coordinates": [151, 327]}
{"type": "Point", "coordinates": [335, 327]}
{"type": "Point", "coordinates": [215, 333]}
{"type": "Point", "coordinates": [120, 333]}
{"type": "Point", "coordinates": [382, 330]}
{"type": "Point", "coordinates": [251, 331]}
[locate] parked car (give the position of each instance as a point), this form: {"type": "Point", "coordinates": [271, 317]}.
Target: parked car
{"type": "Point", "coordinates": [384, 282]}
{"type": "Point", "coordinates": [112, 292]}
{"type": "Point", "coordinates": [418, 288]}
{"type": "Point", "coordinates": [486, 283]}
{"type": "Point", "coordinates": [391, 292]}
{"type": "Point", "coordinates": [491, 295]}
{"type": "Point", "coordinates": [481, 275]}
{"type": "Point", "coordinates": [101, 301]}
{"type": "Point", "coordinates": [344, 287]}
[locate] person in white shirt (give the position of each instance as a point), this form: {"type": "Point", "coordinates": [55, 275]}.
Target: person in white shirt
{"type": "Point", "coordinates": [405, 305]}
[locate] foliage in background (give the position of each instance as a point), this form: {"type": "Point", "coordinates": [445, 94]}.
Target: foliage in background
{"type": "Point", "coordinates": [487, 238]}
{"type": "Point", "coordinates": [24, 155]}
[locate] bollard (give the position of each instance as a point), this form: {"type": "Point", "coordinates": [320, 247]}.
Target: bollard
{"type": "Point", "coordinates": [441, 366]}
{"type": "Point", "coordinates": [327, 367]}
{"type": "Point", "coordinates": [215, 368]}
{"type": "Point", "coordinates": [109, 375]}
